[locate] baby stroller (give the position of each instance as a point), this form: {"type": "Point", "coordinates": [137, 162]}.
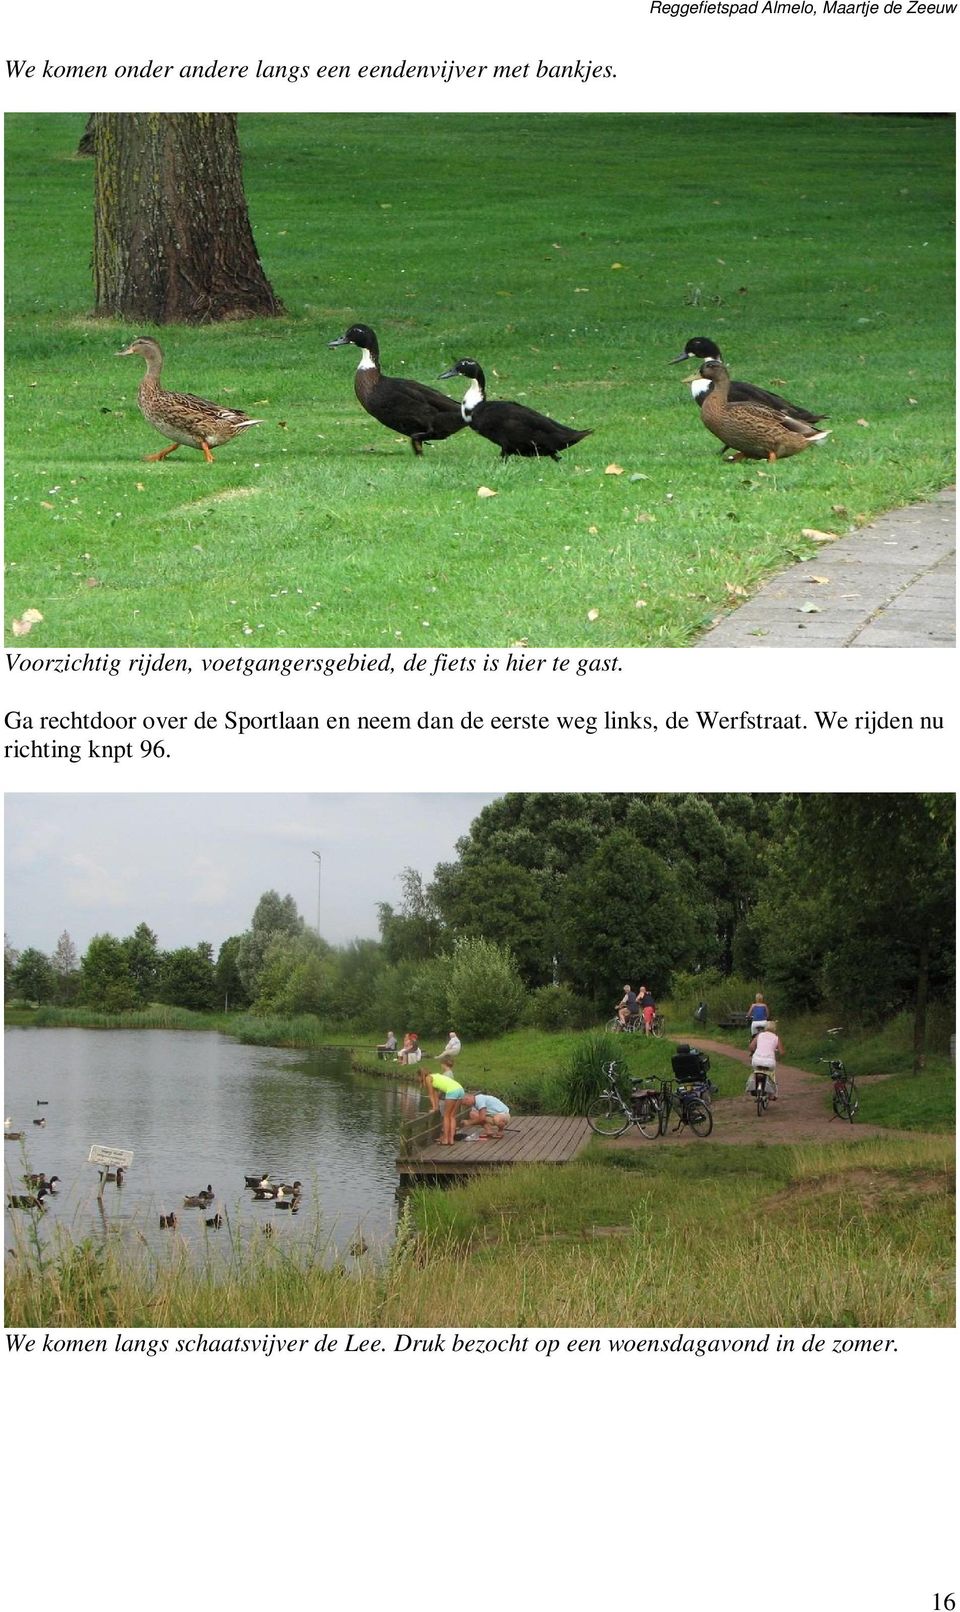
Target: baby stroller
{"type": "Point", "coordinates": [691, 1071]}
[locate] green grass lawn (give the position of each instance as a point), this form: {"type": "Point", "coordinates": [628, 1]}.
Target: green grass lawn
{"type": "Point", "coordinates": [572, 255]}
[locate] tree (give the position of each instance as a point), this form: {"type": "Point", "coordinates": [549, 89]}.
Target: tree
{"type": "Point", "coordinates": [274, 918]}
{"type": "Point", "coordinates": [485, 995]}
{"type": "Point", "coordinates": [172, 241]}
{"type": "Point", "coordinates": [416, 931]}
{"type": "Point", "coordinates": [10, 959]}
{"type": "Point", "coordinates": [231, 991]}
{"type": "Point", "coordinates": [64, 957]}
{"type": "Point", "coordinates": [106, 981]}
{"type": "Point", "coordinates": [188, 979]}
{"type": "Point", "coordinates": [143, 961]}
{"type": "Point", "coordinates": [33, 977]}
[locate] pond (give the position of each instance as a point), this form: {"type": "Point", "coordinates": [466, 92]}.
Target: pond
{"type": "Point", "coordinates": [196, 1108]}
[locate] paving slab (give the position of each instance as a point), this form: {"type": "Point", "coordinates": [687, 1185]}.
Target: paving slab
{"type": "Point", "coordinates": [890, 585]}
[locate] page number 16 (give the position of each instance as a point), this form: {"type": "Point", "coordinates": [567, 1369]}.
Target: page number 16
{"type": "Point", "coordinates": [944, 1603]}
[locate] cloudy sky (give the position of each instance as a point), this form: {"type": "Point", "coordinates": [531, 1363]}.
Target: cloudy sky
{"type": "Point", "coordinates": [194, 866]}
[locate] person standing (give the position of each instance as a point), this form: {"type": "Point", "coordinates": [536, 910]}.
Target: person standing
{"type": "Point", "coordinates": [446, 1094]}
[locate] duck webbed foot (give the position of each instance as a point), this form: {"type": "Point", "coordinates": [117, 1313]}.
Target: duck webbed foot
{"type": "Point", "coordinates": [151, 458]}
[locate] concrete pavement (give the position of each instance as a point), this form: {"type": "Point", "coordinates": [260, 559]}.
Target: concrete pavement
{"type": "Point", "coordinates": [890, 585]}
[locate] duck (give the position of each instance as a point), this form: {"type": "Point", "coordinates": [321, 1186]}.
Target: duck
{"type": "Point", "coordinates": [190, 422]}
{"type": "Point", "coordinates": [168, 1222]}
{"type": "Point", "coordinates": [215, 1221]}
{"type": "Point", "coordinates": [199, 1200]}
{"type": "Point", "coordinates": [701, 348]}
{"type": "Point", "coordinates": [512, 426]}
{"type": "Point", "coordinates": [415, 411]}
{"type": "Point", "coordinates": [116, 1175]}
{"type": "Point", "coordinates": [288, 1197]}
{"type": "Point", "coordinates": [41, 1181]}
{"type": "Point", "coordinates": [43, 1102]}
{"type": "Point", "coordinates": [28, 1200]}
{"type": "Point", "coordinates": [266, 1193]}
{"type": "Point", "coordinates": [359, 1246]}
{"type": "Point", "coordinates": [754, 430]}
{"type": "Point", "coordinates": [41, 1122]}
{"type": "Point", "coordinates": [12, 1136]}
{"type": "Point", "coordinates": [260, 1182]}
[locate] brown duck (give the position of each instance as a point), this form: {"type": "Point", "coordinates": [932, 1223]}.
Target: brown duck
{"type": "Point", "coordinates": [190, 422]}
{"type": "Point", "coordinates": [754, 430]}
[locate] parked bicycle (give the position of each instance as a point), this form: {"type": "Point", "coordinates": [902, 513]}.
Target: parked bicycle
{"type": "Point", "coordinates": [845, 1098]}
{"type": "Point", "coordinates": [650, 1108]}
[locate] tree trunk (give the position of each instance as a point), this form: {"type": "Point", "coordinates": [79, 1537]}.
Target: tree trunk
{"type": "Point", "coordinates": [920, 1007]}
{"type": "Point", "coordinates": [88, 142]}
{"type": "Point", "coordinates": [172, 241]}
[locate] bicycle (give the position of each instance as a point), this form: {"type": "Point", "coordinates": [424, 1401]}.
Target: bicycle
{"type": "Point", "coordinates": [617, 1026]}
{"type": "Point", "coordinates": [760, 1089]}
{"type": "Point", "coordinates": [610, 1114]}
{"type": "Point", "coordinates": [845, 1098]}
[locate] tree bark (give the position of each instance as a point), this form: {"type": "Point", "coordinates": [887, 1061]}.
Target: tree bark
{"type": "Point", "coordinates": [920, 1007]}
{"type": "Point", "coordinates": [172, 238]}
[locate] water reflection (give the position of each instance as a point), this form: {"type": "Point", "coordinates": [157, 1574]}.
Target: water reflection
{"type": "Point", "coordinates": [197, 1108]}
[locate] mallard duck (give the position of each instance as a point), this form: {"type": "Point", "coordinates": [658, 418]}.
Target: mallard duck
{"type": "Point", "coordinates": [116, 1175]}
{"type": "Point", "coordinates": [754, 430]}
{"type": "Point", "coordinates": [199, 1200]}
{"type": "Point", "coordinates": [288, 1197]}
{"type": "Point", "coordinates": [265, 1194]}
{"type": "Point", "coordinates": [168, 1222]}
{"type": "Point", "coordinates": [359, 1246]}
{"type": "Point", "coordinates": [512, 426]}
{"type": "Point", "coordinates": [190, 422]}
{"type": "Point", "coordinates": [415, 411]}
{"type": "Point", "coordinates": [12, 1136]}
{"type": "Point", "coordinates": [701, 348]}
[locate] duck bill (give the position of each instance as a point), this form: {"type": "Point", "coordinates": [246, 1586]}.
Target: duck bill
{"type": "Point", "coordinates": [125, 352]}
{"type": "Point", "coordinates": [448, 374]}
{"type": "Point", "coordinates": [341, 341]}
{"type": "Point", "coordinates": [681, 358]}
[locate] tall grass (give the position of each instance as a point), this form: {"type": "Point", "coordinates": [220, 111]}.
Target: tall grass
{"type": "Point", "coordinates": [833, 1236]}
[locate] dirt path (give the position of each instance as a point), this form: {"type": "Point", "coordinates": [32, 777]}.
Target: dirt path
{"type": "Point", "coordinates": [800, 1114]}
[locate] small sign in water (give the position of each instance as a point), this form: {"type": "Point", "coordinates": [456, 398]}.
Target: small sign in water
{"type": "Point", "coordinates": [114, 1156]}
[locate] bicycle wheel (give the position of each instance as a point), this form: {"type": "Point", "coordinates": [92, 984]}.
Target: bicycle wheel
{"type": "Point", "coordinates": [648, 1118]}
{"type": "Point", "coordinates": [607, 1117]}
{"type": "Point", "coordinates": [699, 1117]}
{"type": "Point", "coordinates": [841, 1105]}
{"type": "Point", "coordinates": [657, 1025]}
{"type": "Point", "coordinates": [613, 1026]}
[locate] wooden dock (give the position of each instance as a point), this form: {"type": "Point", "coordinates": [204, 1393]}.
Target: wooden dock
{"type": "Point", "coordinates": [528, 1139]}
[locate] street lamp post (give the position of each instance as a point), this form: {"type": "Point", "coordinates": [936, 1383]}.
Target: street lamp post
{"type": "Point", "coordinates": [319, 874]}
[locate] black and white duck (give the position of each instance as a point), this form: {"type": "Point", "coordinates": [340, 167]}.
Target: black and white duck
{"type": "Point", "coordinates": [214, 1221]}
{"type": "Point", "coordinates": [700, 348]}
{"type": "Point", "coordinates": [28, 1200]}
{"type": "Point", "coordinates": [260, 1182]}
{"type": "Point", "coordinates": [288, 1196]}
{"type": "Point", "coordinates": [40, 1180]}
{"type": "Point", "coordinates": [753, 430]}
{"type": "Point", "coordinates": [415, 411]}
{"type": "Point", "coordinates": [41, 1122]}
{"type": "Point", "coordinates": [512, 426]}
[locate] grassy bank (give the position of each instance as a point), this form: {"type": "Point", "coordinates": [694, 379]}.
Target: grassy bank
{"type": "Point", "coordinates": [822, 264]}
{"type": "Point", "coordinates": [831, 1236]}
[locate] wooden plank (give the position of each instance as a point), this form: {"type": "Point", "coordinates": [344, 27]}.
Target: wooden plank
{"type": "Point", "coordinates": [529, 1139]}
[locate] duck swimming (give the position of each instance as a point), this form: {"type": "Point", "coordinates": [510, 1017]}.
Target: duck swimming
{"type": "Point", "coordinates": [701, 348]}
{"type": "Point", "coordinates": [415, 411]}
{"type": "Point", "coordinates": [512, 426]}
{"type": "Point", "coordinates": [199, 1200]}
{"type": "Point", "coordinates": [752, 429]}
{"type": "Point", "coordinates": [41, 1181]}
{"type": "Point", "coordinates": [260, 1182]}
{"type": "Point", "coordinates": [190, 422]}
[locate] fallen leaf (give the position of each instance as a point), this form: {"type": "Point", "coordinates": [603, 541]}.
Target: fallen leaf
{"type": "Point", "coordinates": [735, 589]}
{"type": "Point", "coordinates": [640, 604]}
{"type": "Point", "coordinates": [613, 470]}
{"type": "Point", "coordinates": [809, 609]}
{"type": "Point", "coordinates": [863, 422]}
{"type": "Point", "coordinates": [616, 265]}
{"type": "Point", "coordinates": [140, 487]}
{"type": "Point", "coordinates": [816, 579]}
{"type": "Point", "coordinates": [45, 505]}
{"type": "Point", "coordinates": [520, 643]}
{"type": "Point", "coordinates": [912, 400]}
{"type": "Point", "coordinates": [643, 515]}
{"type": "Point", "coordinates": [94, 582]}
{"type": "Point", "coordinates": [593, 530]}
{"type": "Point", "coordinates": [486, 492]}
{"type": "Point", "coordinates": [592, 615]}
{"type": "Point", "coordinates": [25, 623]}
{"type": "Point", "coordinates": [819, 537]}
{"type": "Point", "coordinates": [839, 509]}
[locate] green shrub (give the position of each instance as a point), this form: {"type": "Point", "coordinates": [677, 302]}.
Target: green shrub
{"type": "Point", "coordinates": [584, 1078]}
{"type": "Point", "coordinates": [486, 994]}
{"type": "Point", "coordinates": [557, 1007]}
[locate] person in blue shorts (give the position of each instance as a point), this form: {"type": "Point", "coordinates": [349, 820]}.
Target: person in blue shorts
{"type": "Point", "coordinates": [446, 1093]}
{"type": "Point", "coordinates": [489, 1112]}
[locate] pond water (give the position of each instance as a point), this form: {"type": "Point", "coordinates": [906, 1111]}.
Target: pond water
{"type": "Point", "coordinates": [197, 1108]}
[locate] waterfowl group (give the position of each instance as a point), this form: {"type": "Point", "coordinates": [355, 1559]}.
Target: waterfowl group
{"type": "Point", "coordinates": [408, 407]}
{"type": "Point", "coordinates": [41, 1180]}
{"type": "Point", "coordinates": [28, 1200]}
{"type": "Point", "coordinates": [512, 426]}
{"type": "Point", "coordinates": [199, 1200]}
{"type": "Point", "coordinates": [189, 422]}
{"type": "Point", "coordinates": [754, 430]}
{"type": "Point", "coordinates": [168, 1222]}
{"type": "Point", "coordinates": [701, 348]}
